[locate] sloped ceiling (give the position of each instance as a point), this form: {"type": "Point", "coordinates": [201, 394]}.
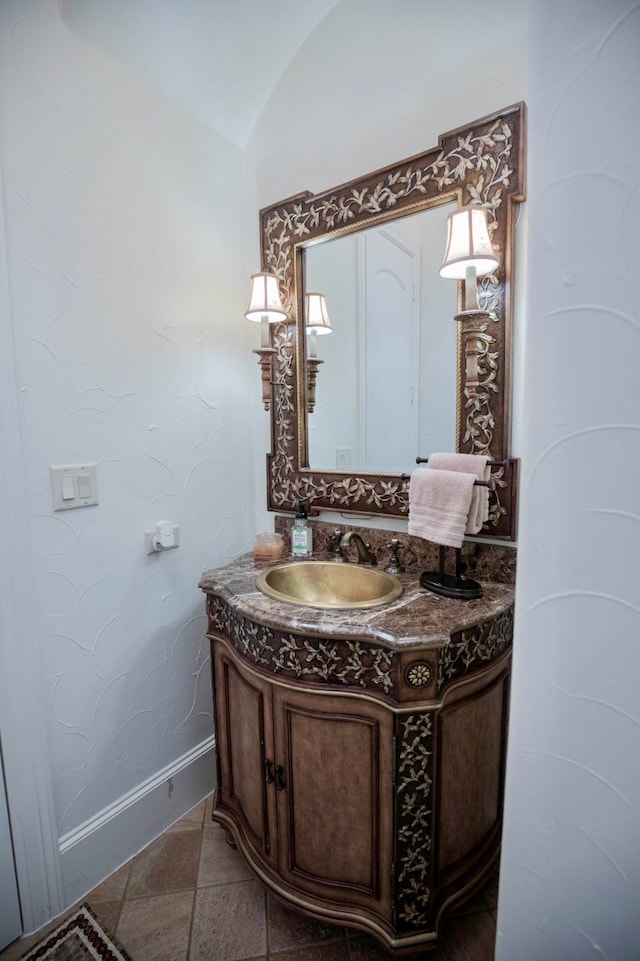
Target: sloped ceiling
{"type": "Point", "coordinates": [219, 59]}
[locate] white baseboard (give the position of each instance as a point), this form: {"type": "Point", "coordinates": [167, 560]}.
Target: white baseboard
{"type": "Point", "coordinates": [97, 848]}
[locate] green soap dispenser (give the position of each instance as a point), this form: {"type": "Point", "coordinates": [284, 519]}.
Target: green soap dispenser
{"type": "Point", "coordinates": [301, 534]}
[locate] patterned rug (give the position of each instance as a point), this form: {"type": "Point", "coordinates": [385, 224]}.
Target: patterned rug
{"type": "Point", "coordinates": [79, 938]}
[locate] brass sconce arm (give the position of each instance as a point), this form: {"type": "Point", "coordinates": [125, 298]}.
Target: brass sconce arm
{"type": "Point", "coordinates": [312, 373]}
{"type": "Point", "coordinates": [265, 361]}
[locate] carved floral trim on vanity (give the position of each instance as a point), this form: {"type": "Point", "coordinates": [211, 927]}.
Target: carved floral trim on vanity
{"type": "Point", "coordinates": [468, 650]}
{"type": "Point", "coordinates": [345, 662]}
{"type": "Point", "coordinates": [414, 807]}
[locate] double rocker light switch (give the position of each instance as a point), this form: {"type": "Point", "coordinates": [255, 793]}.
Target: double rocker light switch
{"type": "Point", "coordinates": [74, 486]}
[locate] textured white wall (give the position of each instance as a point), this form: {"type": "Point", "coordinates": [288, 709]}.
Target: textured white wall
{"type": "Point", "coordinates": [216, 58]}
{"type": "Point", "coordinates": [570, 876]}
{"type": "Point", "coordinates": [378, 81]}
{"type": "Point", "coordinates": [127, 236]}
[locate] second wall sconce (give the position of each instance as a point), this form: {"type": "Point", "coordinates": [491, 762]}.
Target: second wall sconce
{"type": "Point", "coordinates": [316, 324]}
{"type": "Point", "coordinates": [265, 307]}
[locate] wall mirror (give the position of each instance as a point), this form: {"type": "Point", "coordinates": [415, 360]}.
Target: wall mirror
{"type": "Point", "coordinates": [385, 390]}
{"type": "Point", "coordinates": [399, 377]}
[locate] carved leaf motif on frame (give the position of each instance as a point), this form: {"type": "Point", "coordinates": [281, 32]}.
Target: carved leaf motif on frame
{"type": "Point", "coordinates": [479, 164]}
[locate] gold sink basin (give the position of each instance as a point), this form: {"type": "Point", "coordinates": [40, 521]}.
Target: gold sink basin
{"type": "Point", "coordinates": [328, 584]}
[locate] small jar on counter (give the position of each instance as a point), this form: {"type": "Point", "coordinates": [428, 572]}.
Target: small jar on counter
{"type": "Point", "coordinates": [268, 547]}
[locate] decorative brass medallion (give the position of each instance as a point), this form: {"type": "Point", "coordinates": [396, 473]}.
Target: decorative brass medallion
{"type": "Point", "coordinates": [418, 674]}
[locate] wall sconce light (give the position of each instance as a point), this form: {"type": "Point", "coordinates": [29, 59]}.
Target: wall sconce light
{"type": "Point", "coordinates": [316, 323]}
{"type": "Point", "coordinates": [469, 253]}
{"type": "Point", "coordinates": [265, 307]}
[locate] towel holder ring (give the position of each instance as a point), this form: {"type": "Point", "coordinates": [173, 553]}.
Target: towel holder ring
{"type": "Point", "coordinates": [478, 483]}
{"type": "Point", "coordinates": [490, 463]}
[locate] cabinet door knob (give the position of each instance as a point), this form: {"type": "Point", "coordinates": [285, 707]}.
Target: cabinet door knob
{"type": "Point", "coordinates": [268, 776]}
{"type": "Point", "coordinates": [280, 785]}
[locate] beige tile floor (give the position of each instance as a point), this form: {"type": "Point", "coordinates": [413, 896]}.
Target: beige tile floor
{"type": "Point", "coordinates": [190, 897]}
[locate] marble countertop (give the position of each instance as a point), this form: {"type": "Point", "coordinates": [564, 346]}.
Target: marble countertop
{"type": "Point", "coordinates": [418, 618]}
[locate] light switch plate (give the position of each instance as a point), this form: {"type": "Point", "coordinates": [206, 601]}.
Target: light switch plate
{"type": "Point", "coordinates": [78, 480]}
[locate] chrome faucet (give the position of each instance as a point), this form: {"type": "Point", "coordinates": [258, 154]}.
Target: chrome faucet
{"type": "Point", "coordinates": [365, 554]}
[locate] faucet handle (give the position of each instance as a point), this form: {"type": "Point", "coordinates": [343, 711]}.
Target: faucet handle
{"type": "Point", "coordinates": [394, 566]}
{"type": "Point", "coordinates": [335, 547]}
{"type": "Point", "coordinates": [371, 559]}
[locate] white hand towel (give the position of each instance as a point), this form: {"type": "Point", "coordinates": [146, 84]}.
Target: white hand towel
{"type": "Point", "coordinates": [439, 502]}
{"type": "Point", "coordinates": [475, 464]}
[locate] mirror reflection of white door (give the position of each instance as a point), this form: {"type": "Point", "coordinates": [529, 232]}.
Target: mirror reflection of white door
{"type": "Point", "coordinates": [390, 350]}
{"type": "Point", "coordinates": [10, 920]}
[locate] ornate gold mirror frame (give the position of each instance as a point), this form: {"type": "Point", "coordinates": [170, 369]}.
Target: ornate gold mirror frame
{"type": "Point", "coordinates": [482, 163]}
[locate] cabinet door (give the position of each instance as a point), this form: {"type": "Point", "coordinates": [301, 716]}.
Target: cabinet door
{"type": "Point", "coordinates": [335, 797]}
{"type": "Point", "coordinates": [245, 741]}
{"type": "Point", "coordinates": [470, 776]}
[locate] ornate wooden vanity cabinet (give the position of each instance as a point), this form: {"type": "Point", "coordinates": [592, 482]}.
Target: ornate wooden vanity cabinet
{"type": "Point", "coordinates": [361, 754]}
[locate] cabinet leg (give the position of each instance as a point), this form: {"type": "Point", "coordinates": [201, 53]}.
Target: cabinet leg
{"type": "Point", "coordinates": [228, 837]}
